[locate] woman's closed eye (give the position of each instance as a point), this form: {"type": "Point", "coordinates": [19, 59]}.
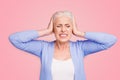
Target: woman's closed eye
{"type": "Point", "coordinates": [68, 26]}
{"type": "Point", "coordinates": [58, 26]}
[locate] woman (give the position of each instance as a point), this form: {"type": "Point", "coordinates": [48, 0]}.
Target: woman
{"type": "Point", "coordinates": [62, 59]}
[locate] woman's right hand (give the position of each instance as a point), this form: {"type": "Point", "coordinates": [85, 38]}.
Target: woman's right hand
{"type": "Point", "coordinates": [47, 31]}
{"type": "Point", "coordinates": [50, 26]}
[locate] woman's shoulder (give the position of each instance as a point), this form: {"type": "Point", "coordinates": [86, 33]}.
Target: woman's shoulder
{"type": "Point", "coordinates": [76, 43]}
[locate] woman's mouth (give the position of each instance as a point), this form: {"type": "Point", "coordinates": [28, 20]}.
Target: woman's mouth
{"type": "Point", "coordinates": [63, 35]}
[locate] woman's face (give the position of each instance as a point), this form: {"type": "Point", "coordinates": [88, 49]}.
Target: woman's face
{"type": "Point", "coordinates": [63, 28]}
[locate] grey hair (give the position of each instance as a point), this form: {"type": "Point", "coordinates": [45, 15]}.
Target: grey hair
{"type": "Point", "coordinates": [62, 13]}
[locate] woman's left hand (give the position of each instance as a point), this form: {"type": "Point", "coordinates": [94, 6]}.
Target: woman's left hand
{"type": "Point", "coordinates": [75, 30]}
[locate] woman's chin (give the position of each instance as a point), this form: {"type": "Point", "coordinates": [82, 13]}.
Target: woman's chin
{"type": "Point", "coordinates": [63, 40]}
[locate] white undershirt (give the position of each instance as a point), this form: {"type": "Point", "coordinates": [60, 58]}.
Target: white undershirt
{"type": "Point", "coordinates": [62, 69]}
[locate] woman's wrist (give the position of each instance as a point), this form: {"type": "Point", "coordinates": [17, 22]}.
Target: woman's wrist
{"type": "Point", "coordinates": [44, 32]}
{"type": "Point", "coordinates": [81, 34]}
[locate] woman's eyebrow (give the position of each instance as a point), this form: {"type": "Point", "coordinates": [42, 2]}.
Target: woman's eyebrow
{"type": "Point", "coordinates": [66, 24]}
{"type": "Point", "coordinates": [60, 24]}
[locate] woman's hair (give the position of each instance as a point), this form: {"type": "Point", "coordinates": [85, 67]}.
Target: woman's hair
{"type": "Point", "coordinates": [62, 13]}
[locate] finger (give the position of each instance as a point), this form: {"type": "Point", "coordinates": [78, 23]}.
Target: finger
{"type": "Point", "coordinates": [50, 22]}
{"type": "Point", "coordinates": [74, 23]}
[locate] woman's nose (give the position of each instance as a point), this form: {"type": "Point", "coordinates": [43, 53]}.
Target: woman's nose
{"type": "Point", "coordinates": [63, 29]}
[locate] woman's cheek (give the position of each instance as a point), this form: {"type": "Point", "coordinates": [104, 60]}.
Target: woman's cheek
{"type": "Point", "coordinates": [70, 30]}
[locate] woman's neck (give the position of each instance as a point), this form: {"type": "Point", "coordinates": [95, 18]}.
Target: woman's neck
{"type": "Point", "coordinates": [62, 45]}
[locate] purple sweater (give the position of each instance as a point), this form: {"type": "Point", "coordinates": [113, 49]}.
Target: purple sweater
{"type": "Point", "coordinates": [96, 41]}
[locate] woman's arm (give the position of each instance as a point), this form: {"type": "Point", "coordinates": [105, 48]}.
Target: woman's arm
{"type": "Point", "coordinates": [97, 41]}
{"type": "Point", "coordinates": [25, 40]}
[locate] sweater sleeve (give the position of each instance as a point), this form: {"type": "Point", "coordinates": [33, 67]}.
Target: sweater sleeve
{"type": "Point", "coordinates": [25, 41]}
{"type": "Point", "coordinates": [97, 41]}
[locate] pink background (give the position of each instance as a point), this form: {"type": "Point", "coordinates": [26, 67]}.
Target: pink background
{"type": "Point", "coordinates": [91, 15]}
